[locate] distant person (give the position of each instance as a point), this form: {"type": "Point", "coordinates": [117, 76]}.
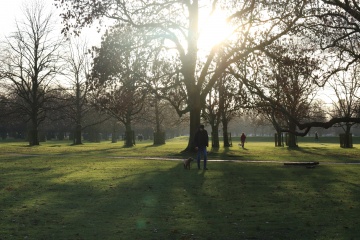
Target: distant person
{"type": "Point", "coordinates": [201, 142]}
{"type": "Point", "coordinates": [243, 138]}
{"type": "Point", "coordinates": [316, 136]}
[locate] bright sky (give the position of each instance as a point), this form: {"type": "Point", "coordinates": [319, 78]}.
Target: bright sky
{"type": "Point", "coordinates": [213, 29]}
{"type": "Point", "coordinates": [11, 10]}
{"type": "Point", "coordinates": [8, 11]}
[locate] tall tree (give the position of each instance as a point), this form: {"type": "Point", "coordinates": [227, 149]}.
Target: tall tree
{"type": "Point", "coordinates": [78, 71]}
{"type": "Point", "coordinates": [5, 117]}
{"type": "Point", "coordinates": [292, 76]}
{"type": "Point", "coordinates": [158, 115]}
{"type": "Point", "coordinates": [176, 25]}
{"type": "Point", "coordinates": [212, 115]}
{"type": "Point", "coordinates": [284, 81]}
{"type": "Point", "coordinates": [233, 98]}
{"type": "Point", "coordinates": [30, 62]}
{"type": "Point", "coordinates": [117, 77]}
{"type": "Point", "coordinates": [346, 86]}
{"type": "Point", "coordinates": [225, 102]}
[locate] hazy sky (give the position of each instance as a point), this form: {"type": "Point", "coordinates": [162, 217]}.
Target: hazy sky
{"type": "Point", "coordinates": [8, 11]}
{"type": "Point", "coordinates": [11, 10]}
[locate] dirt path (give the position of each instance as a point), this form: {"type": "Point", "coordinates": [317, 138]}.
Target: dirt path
{"type": "Point", "coordinates": [234, 160]}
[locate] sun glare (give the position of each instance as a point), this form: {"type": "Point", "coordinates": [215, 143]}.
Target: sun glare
{"type": "Point", "coordinates": [213, 30]}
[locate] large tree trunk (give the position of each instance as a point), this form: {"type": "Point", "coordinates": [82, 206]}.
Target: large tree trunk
{"type": "Point", "coordinates": [278, 138]}
{"type": "Point", "coordinates": [33, 137]}
{"type": "Point", "coordinates": [347, 134]}
{"type": "Point", "coordinates": [225, 133]}
{"type": "Point", "coordinates": [215, 136]}
{"type": "Point", "coordinates": [291, 136]}
{"type": "Point", "coordinates": [129, 134]}
{"type": "Point", "coordinates": [159, 136]}
{"type": "Point", "coordinates": [34, 132]}
{"type": "Point", "coordinates": [78, 135]}
{"type": "Point", "coordinates": [347, 137]}
{"type": "Point", "coordinates": [194, 126]}
{"type": "Point", "coordinates": [189, 72]}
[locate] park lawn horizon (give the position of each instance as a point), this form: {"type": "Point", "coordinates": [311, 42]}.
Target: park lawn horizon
{"type": "Point", "coordinates": [92, 191]}
{"type": "Point", "coordinates": [256, 149]}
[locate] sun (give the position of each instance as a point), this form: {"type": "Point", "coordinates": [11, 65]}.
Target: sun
{"type": "Point", "coordinates": [213, 30]}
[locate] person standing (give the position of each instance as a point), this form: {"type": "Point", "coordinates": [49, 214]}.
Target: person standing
{"type": "Point", "coordinates": [201, 143]}
{"type": "Point", "coordinates": [243, 138]}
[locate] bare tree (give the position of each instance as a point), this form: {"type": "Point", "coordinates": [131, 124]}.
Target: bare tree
{"type": "Point", "coordinates": [29, 63]}
{"type": "Point", "coordinates": [285, 77]}
{"type": "Point", "coordinates": [335, 26]}
{"type": "Point", "coordinates": [212, 115]}
{"type": "Point", "coordinates": [233, 98]}
{"type": "Point", "coordinates": [346, 86]}
{"type": "Point", "coordinates": [158, 115]}
{"type": "Point", "coordinates": [6, 119]}
{"type": "Point", "coordinates": [77, 71]}
{"type": "Point", "coordinates": [225, 102]}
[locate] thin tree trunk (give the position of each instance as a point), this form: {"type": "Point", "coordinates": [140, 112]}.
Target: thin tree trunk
{"type": "Point", "coordinates": [78, 128]}
{"type": "Point", "coordinates": [114, 135]}
{"type": "Point", "coordinates": [159, 136]}
{"type": "Point", "coordinates": [278, 138]}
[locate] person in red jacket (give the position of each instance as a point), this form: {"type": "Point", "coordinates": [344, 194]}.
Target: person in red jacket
{"type": "Point", "coordinates": [243, 138]}
{"type": "Point", "coordinates": [201, 142]}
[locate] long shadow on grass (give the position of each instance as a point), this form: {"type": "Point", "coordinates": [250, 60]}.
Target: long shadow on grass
{"type": "Point", "coordinates": [321, 153]}
{"type": "Point", "coordinates": [227, 153]}
{"type": "Point", "coordinates": [125, 200]}
{"type": "Point", "coordinates": [130, 199]}
{"type": "Point", "coordinates": [278, 202]}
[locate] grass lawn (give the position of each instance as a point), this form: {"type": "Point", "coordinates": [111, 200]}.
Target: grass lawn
{"type": "Point", "coordinates": [106, 191]}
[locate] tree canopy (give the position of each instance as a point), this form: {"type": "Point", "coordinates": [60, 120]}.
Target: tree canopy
{"type": "Point", "coordinates": [174, 25]}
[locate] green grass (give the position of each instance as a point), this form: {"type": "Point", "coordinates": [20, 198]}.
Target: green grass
{"type": "Point", "coordinates": [59, 191]}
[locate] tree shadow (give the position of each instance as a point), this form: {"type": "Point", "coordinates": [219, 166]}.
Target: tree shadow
{"type": "Point", "coordinates": [133, 199]}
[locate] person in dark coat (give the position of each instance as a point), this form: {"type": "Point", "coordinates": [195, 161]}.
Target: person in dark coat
{"type": "Point", "coordinates": [201, 143]}
{"type": "Point", "coordinates": [243, 138]}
